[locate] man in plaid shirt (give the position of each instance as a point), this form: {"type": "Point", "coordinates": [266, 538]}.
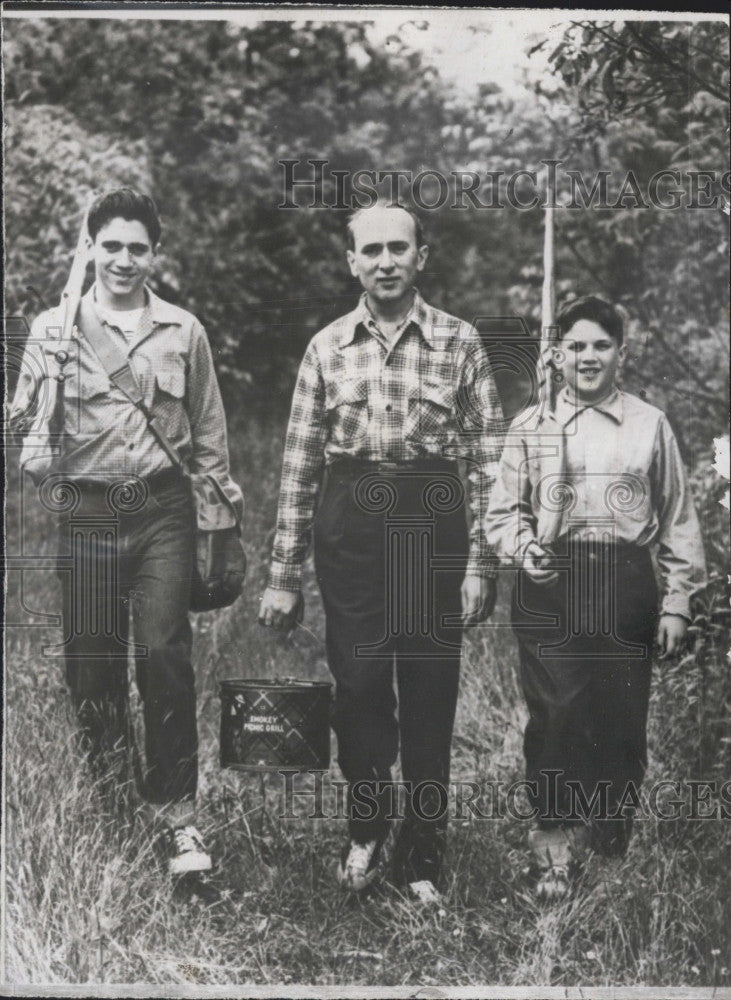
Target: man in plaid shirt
{"type": "Point", "coordinates": [388, 398]}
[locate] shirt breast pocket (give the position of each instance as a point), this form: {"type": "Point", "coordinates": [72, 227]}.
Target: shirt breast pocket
{"type": "Point", "coordinates": [160, 371]}
{"type": "Point", "coordinates": [429, 413]}
{"type": "Point", "coordinates": [347, 411]}
{"type": "Point", "coordinates": [85, 384]}
{"type": "Point", "coordinates": [171, 383]}
{"type": "Point", "coordinates": [628, 495]}
{"type": "Point", "coordinates": [161, 380]}
{"type": "Point", "coordinates": [168, 395]}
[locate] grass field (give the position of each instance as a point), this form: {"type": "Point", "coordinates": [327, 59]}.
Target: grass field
{"type": "Point", "coordinates": [87, 900]}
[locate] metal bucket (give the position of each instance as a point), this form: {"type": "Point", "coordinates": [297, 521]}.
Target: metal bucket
{"type": "Point", "coordinates": [267, 725]}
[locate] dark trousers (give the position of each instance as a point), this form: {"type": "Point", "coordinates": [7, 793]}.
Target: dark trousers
{"type": "Point", "coordinates": [390, 555]}
{"type": "Point", "coordinates": [585, 673]}
{"type": "Point", "coordinates": [131, 548]}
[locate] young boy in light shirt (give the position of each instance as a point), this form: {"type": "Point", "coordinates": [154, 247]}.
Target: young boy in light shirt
{"type": "Point", "coordinates": [582, 495]}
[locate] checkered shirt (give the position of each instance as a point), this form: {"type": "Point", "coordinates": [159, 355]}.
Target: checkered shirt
{"type": "Point", "coordinates": [429, 394]}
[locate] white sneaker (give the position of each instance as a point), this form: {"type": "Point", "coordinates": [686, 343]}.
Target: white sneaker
{"type": "Point", "coordinates": [425, 893]}
{"type": "Point", "coordinates": [187, 851]}
{"type": "Point", "coordinates": [359, 865]}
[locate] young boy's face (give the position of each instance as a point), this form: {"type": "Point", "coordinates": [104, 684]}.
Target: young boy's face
{"type": "Point", "coordinates": [589, 358]}
{"type": "Point", "coordinates": [123, 257]}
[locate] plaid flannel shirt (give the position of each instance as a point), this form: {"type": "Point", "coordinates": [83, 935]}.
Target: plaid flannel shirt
{"type": "Point", "coordinates": [430, 393]}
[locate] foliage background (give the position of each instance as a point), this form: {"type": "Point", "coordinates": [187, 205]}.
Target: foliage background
{"type": "Point", "coordinates": [201, 112]}
{"type": "Point", "coordinates": [198, 114]}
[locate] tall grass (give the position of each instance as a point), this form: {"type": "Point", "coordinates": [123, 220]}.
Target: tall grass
{"type": "Point", "coordinates": [88, 900]}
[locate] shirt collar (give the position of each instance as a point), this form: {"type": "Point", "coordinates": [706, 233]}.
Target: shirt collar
{"type": "Point", "coordinates": [160, 311]}
{"type": "Point", "coordinates": [567, 407]}
{"type": "Point", "coordinates": [418, 315]}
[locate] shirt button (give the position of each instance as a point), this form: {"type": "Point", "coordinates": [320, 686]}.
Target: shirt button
{"type": "Point", "coordinates": [131, 447]}
{"type": "Point", "coordinates": [388, 407]}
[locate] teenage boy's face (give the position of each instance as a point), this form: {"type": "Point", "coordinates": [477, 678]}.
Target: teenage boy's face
{"type": "Point", "coordinates": [123, 258]}
{"type": "Point", "coordinates": [589, 360]}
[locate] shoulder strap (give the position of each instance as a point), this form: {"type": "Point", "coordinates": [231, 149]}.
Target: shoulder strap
{"type": "Point", "coordinates": [116, 364]}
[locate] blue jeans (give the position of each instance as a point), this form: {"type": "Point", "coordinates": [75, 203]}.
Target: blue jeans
{"type": "Point", "coordinates": [130, 548]}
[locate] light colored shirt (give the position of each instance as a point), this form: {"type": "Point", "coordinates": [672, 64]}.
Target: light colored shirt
{"type": "Point", "coordinates": [126, 320]}
{"type": "Point", "coordinates": [105, 437]}
{"type": "Point", "coordinates": [426, 392]}
{"type": "Point", "coordinates": [612, 469]}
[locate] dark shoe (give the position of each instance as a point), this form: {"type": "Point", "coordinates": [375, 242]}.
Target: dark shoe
{"type": "Point", "coordinates": [553, 883]}
{"type": "Point", "coordinates": [611, 837]}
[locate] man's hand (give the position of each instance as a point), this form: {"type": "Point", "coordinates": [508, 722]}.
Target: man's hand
{"type": "Point", "coordinates": [478, 598]}
{"type": "Point", "coordinates": [537, 566]}
{"type": "Point", "coordinates": [670, 634]}
{"type": "Point", "coordinates": [281, 609]}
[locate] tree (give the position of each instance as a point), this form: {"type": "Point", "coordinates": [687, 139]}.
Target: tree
{"type": "Point", "coordinates": [52, 163]}
{"type": "Point", "coordinates": [648, 97]}
{"type": "Point", "coordinates": [218, 105]}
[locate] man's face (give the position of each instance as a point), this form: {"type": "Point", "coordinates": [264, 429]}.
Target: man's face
{"type": "Point", "coordinates": [386, 258]}
{"type": "Point", "coordinates": [123, 257]}
{"type": "Point", "coordinates": [589, 360]}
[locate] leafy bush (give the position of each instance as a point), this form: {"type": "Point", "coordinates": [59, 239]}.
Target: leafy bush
{"type": "Point", "coordinates": [52, 164]}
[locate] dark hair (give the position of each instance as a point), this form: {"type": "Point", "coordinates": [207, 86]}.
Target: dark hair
{"type": "Point", "coordinates": [386, 203]}
{"type": "Point", "coordinates": [125, 203]}
{"type": "Point", "coordinates": [595, 309]}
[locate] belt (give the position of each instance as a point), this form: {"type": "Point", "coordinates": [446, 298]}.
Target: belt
{"type": "Point", "coordinates": [360, 466]}
{"type": "Point", "coordinates": [582, 548]}
{"type": "Point", "coordinates": [155, 481]}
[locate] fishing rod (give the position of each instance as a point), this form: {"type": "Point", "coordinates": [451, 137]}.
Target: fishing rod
{"type": "Point", "coordinates": [546, 369]}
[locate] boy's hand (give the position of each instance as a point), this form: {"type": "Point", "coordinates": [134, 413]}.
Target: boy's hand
{"type": "Point", "coordinates": [281, 609]}
{"type": "Point", "coordinates": [536, 564]}
{"type": "Point", "coordinates": [670, 634]}
{"type": "Point", "coordinates": [478, 599]}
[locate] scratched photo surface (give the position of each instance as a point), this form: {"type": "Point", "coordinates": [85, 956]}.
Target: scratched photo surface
{"type": "Point", "coordinates": [547, 157]}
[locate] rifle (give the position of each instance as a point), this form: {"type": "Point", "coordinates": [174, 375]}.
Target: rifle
{"type": "Point", "coordinates": [31, 415]}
